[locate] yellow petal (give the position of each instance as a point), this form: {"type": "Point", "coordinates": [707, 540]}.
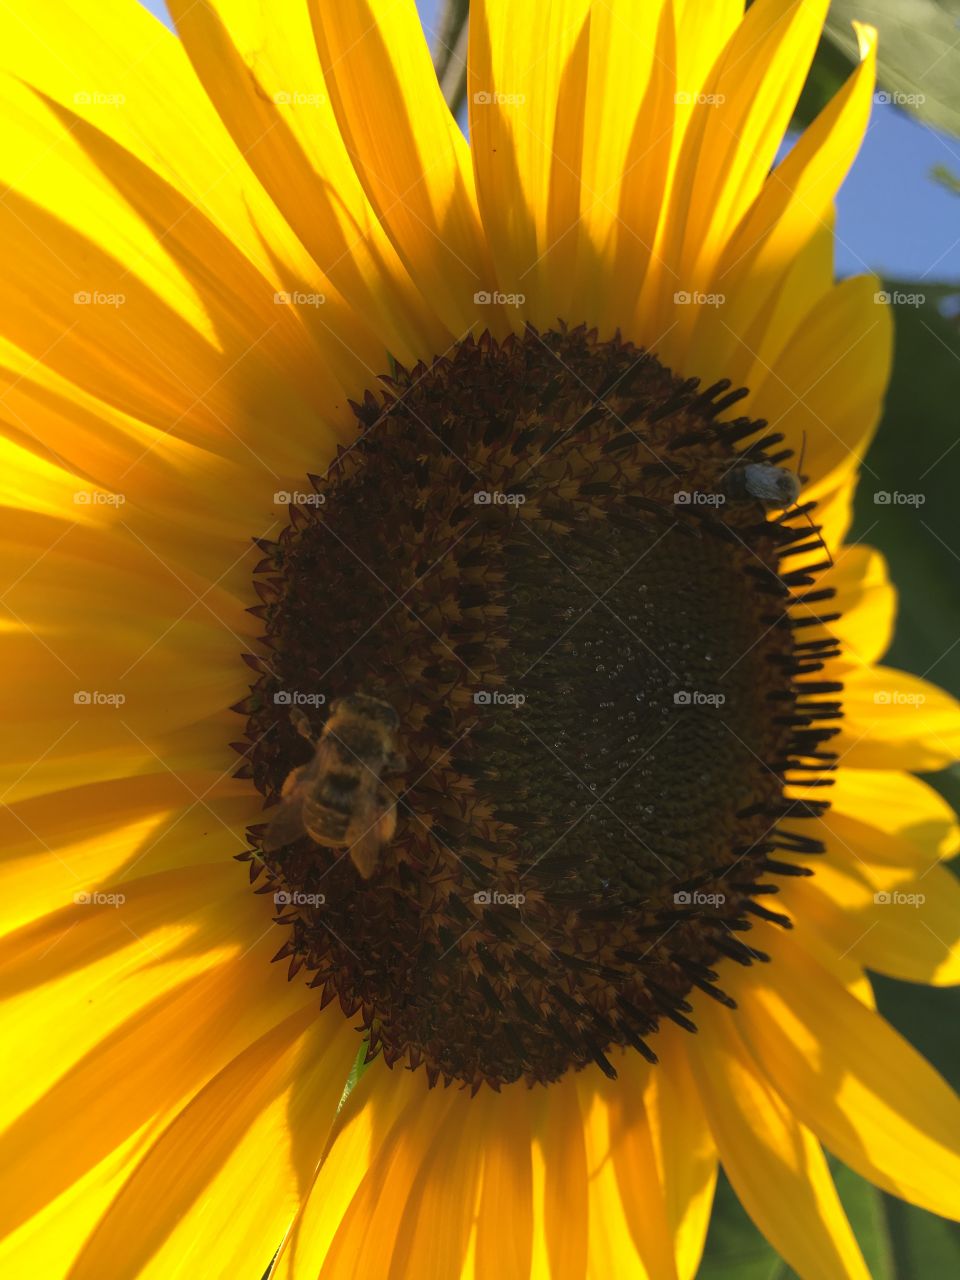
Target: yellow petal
{"type": "Point", "coordinates": [866, 601]}
{"type": "Point", "coordinates": [887, 919]}
{"type": "Point", "coordinates": [406, 148]}
{"type": "Point", "coordinates": [628, 1222]}
{"type": "Point", "coordinates": [773, 1161]}
{"type": "Point", "coordinates": [157, 1012]}
{"type": "Point", "coordinates": [793, 210]}
{"type": "Point", "coordinates": [561, 1194]}
{"type": "Point", "coordinates": [504, 1228]}
{"type": "Point", "coordinates": [132, 308]}
{"type": "Point", "coordinates": [825, 390]}
{"type": "Point", "coordinates": [99, 836]}
{"type": "Point", "coordinates": [362, 1127]}
{"type": "Point", "coordinates": [260, 67]}
{"type": "Point", "coordinates": [628, 126]}
{"type": "Point", "coordinates": [871, 1098]}
{"type": "Point", "coordinates": [526, 85]}
{"type": "Point", "coordinates": [914, 815]}
{"type": "Point", "coordinates": [894, 720]}
{"type": "Point", "coordinates": [250, 1138]}
{"type": "Point", "coordinates": [737, 124]}
{"type": "Point", "coordinates": [684, 1148]}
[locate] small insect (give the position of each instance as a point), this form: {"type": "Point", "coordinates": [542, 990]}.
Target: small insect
{"type": "Point", "coordinates": [338, 798]}
{"type": "Point", "coordinates": [774, 486]}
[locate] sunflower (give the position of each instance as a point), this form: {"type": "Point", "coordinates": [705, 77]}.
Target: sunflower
{"type": "Point", "coordinates": [311, 407]}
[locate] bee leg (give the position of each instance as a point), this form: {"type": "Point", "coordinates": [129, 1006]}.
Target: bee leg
{"type": "Point", "coordinates": [292, 778]}
{"type": "Point", "coordinates": [365, 848]}
{"type": "Point", "coordinates": [299, 720]}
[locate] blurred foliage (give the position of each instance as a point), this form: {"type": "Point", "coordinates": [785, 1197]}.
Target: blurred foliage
{"type": "Point", "coordinates": [918, 57]}
{"type": "Point", "coordinates": [946, 178]}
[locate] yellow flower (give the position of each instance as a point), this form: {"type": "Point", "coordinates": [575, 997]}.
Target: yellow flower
{"type": "Point", "coordinates": [230, 262]}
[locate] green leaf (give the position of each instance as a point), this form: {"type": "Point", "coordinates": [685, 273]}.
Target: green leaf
{"type": "Point", "coordinates": [917, 452]}
{"type": "Point", "coordinates": [918, 58]}
{"type": "Point", "coordinates": [899, 1242]}
{"type": "Point", "coordinates": [356, 1071]}
{"type": "Point", "coordinates": [735, 1249]}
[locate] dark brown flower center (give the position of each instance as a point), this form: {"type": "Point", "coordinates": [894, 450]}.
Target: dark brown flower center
{"type": "Point", "coordinates": [551, 557]}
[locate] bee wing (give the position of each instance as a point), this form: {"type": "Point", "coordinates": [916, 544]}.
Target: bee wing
{"type": "Point", "coordinates": [286, 826]}
{"type": "Point", "coordinates": [370, 831]}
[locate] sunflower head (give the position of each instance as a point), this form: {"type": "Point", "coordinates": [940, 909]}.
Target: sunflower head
{"type": "Point", "coordinates": [592, 791]}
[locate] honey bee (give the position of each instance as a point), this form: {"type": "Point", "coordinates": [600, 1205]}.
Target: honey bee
{"type": "Point", "coordinates": [338, 798]}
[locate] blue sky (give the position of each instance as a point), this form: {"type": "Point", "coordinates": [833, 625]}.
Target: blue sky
{"type": "Point", "coordinates": [891, 217]}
